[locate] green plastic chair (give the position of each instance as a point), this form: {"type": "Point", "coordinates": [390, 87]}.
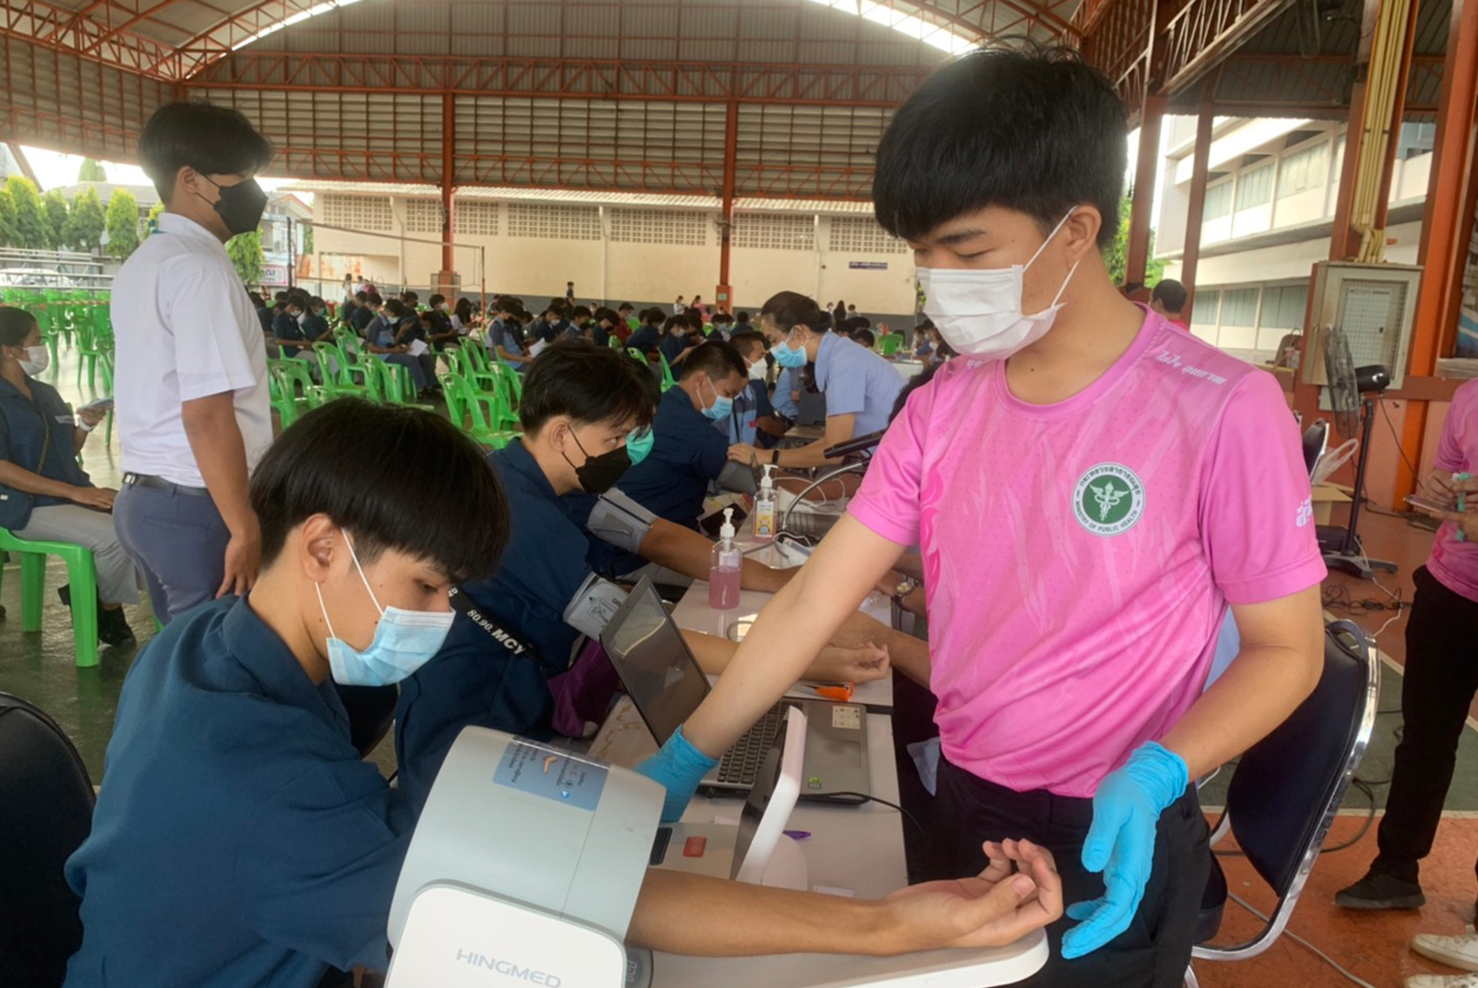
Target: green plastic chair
{"type": "Point", "coordinates": [512, 384]}
{"type": "Point", "coordinates": [393, 383]}
{"type": "Point", "coordinates": [337, 375]}
{"type": "Point", "coordinates": [465, 366]}
{"type": "Point", "coordinates": [890, 343]}
{"type": "Point", "coordinates": [667, 379]}
{"type": "Point", "coordinates": [466, 411]}
{"type": "Point", "coordinates": [282, 390]}
{"type": "Point", "coordinates": [81, 575]}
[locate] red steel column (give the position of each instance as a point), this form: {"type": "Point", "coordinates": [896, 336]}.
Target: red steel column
{"type": "Point", "coordinates": [1196, 206]}
{"type": "Point", "coordinates": [448, 168]}
{"type": "Point", "coordinates": [723, 294]}
{"type": "Point", "coordinates": [1146, 167]}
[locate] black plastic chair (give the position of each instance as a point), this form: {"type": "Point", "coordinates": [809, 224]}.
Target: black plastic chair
{"type": "Point", "coordinates": [1287, 788]}
{"type": "Point", "coordinates": [46, 801]}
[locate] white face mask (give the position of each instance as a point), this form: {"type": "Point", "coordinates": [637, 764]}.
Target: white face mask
{"type": "Point", "coordinates": [978, 312]}
{"type": "Point", "coordinates": [37, 359]}
{"type": "Point", "coordinates": [758, 370]}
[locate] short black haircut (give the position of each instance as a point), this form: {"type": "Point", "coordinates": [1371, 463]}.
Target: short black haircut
{"type": "Point", "coordinates": [653, 316]}
{"type": "Point", "coordinates": [409, 297]}
{"type": "Point", "coordinates": [579, 311]}
{"type": "Point", "coordinates": [676, 322]}
{"type": "Point", "coordinates": [1033, 129]}
{"type": "Point", "coordinates": [624, 307]}
{"type": "Point", "coordinates": [375, 299]}
{"type": "Point", "coordinates": [436, 300]}
{"type": "Point", "coordinates": [315, 300]}
{"type": "Point", "coordinates": [791, 309]}
{"type": "Point", "coordinates": [718, 358]}
{"type": "Point", "coordinates": [695, 320]}
{"type": "Point", "coordinates": [362, 296]}
{"type": "Point", "coordinates": [15, 325]}
{"type": "Point", "coordinates": [744, 317]}
{"type": "Point", "coordinates": [743, 341]}
{"type": "Point", "coordinates": [213, 140]}
{"type": "Point", "coordinates": [1171, 294]}
{"type": "Point", "coordinates": [604, 314]}
{"type": "Point", "coordinates": [722, 319]}
{"type": "Point", "coordinates": [865, 337]}
{"type": "Point", "coordinates": [587, 383]}
{"type": "Point", "coordinates": [395, 307]}
{"type": "Point", "coordinates": [281, 296]}
{"type": "Point", "coordinates": [373, 469]}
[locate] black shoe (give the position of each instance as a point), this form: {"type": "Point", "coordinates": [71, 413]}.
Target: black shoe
{"type": "Point", "coordinates": [113, 628]}
{"type": "Point", "coordinates": [1381, 891]}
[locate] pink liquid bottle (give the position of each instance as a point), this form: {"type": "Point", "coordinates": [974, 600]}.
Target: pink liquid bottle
{"type": "Point", "coordinates": [724, 575]}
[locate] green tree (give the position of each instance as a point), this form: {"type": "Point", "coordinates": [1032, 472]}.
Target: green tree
{"type": "Point", "coordinates": [86, 221]}
{"type": "Point", "coordinates": [152, 223]}
{"type": "Point", "coordinates": [91, 171]}
{"type": "Point", "coordinates": [307, 239]}
{"type": "Point", "coordinates": [29, 227]}
{"type": "Point", "coordinates": [245, 252]}
{"type": "Point", "coordinates": [123, 224]}
{"type": "Point", "coordinates": [1117, 256]}
{"type": "Point", "coordinates": [54, 205]}
{"type": "Point", "coordinates": [7, 219]}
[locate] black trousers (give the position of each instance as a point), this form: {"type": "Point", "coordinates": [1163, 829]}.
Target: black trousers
{"type": "Point", "coordinates": [1155, 950]}
{"type": "Point", "coordinates": [1441, 678]}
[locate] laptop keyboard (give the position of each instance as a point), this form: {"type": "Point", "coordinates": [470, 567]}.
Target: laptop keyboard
{"type": "Point", "coordinates": [741, 763]}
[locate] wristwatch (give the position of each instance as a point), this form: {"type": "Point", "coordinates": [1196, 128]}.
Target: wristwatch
{"type": "Point", "coordinates": [903, 589]}
{"type": "Point", "coordinates": [774, 457]}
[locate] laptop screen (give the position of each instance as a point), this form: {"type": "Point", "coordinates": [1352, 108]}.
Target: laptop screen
{"type": "Point", "coordinates": [649, 654]}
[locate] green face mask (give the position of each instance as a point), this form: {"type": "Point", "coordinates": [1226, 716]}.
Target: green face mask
{"type": "Point", "coordinates": [639, 444]}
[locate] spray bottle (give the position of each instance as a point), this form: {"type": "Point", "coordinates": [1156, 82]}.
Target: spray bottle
{"type": "Point", "coordinates": [764, 507]}
{"type": "Point", "coordinates": [725, 573]}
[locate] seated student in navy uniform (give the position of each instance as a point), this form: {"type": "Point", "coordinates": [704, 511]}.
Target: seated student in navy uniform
{"type": "Point", "coordinates": [648, 336]}
{"type": "Point", "coordinates": [689, 453]}
{"type": "Point", "coordinates": [368, 311]}
{"type": "Point", "coordinates": [752, 420]}
{"type": "Point", "coordinates": [239, 838]}
{"type": "Point", "coordinates": [579, 405]}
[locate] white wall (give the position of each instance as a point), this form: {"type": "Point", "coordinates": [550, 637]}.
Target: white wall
{"type": "Point", "coordinates": [658, 271]}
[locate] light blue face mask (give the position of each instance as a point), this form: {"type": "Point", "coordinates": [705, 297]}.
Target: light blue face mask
{"type": "Point", "coordinates": [639, 444]}
{"type": "Point", "coordinates": [720, 408]}
{"type": "Point", "coordinates": [787, 357]}
{"type": "Point", "coordinates": [404, 641]}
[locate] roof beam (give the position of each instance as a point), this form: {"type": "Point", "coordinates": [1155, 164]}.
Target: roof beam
{"type": "Point", "coordinates": [1204, 32]}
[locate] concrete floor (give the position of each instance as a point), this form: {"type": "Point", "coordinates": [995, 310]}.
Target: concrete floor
{"type": "Point", "coordinates": [39, 667]}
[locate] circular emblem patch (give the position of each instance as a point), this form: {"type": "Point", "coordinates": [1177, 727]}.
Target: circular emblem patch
{"type": "Point", "coordinates": [1109, 499]}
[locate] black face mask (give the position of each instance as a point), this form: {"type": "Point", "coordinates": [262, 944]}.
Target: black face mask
{"type": "Point", "coordinates": [241, 205]}
{"type": "Point", "coordinates": [599, 474]}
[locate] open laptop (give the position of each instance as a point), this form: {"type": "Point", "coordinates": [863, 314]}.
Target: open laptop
{"type": "Point", "coordinates": [666, 685]}
{"type": "Point", "coordinates": [743, 852]}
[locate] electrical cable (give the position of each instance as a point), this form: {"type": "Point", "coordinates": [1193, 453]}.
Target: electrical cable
{"type": "Point", "coordinates": [1394, 435]}
{"type": "Point", "coordinates": [874, 799]}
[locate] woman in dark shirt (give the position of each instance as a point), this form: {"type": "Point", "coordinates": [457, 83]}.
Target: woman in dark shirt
{"type": "Point", "coordinates": [44, 495]}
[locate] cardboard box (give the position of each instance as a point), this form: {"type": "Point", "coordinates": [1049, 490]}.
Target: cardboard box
{"type": "Point", "coordinates": [1326, 496]}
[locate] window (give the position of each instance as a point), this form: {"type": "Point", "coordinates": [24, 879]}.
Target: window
{"type": "Point", "coordinates": [659, 226]}
{"type": "Point", "coordinates": [422, 216]}
{"type": "Point", "coordinates": [1218, 201]}
{"type": "Point", "coordinates": [1283, 307]}
{"type": "Point", "coordinates": [475, 218]}
{"type": "Point", "coordinates": [358, 212]}
{"type": "Point", "coordinates": [1239, 307]}
{"type": "Point", "coordinates": [1415, 139]}
{"type": "Point", "coordinates": [1308, 169]}
{"type": "Point", "coordinates": [1255, 187]}
{"type": "Point", "coordinates": [1206, 308]}
{"type": "Point", "coordinates": [862, 235]}
{"type": "Point", "coordinates": [553, 222]}
{"type": "Point", "coordinates": [774, 232]}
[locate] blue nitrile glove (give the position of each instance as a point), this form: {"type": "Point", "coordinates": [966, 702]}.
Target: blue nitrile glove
{"type": "Point", "coordinates": [1121, 843]}
{"type": "Point", "coordinates": [679, 767]}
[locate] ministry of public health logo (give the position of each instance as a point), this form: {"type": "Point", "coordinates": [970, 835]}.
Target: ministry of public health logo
{"type": "Point", "coordinates": [1109, 499]}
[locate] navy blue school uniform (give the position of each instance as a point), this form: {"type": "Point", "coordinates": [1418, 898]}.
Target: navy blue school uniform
{"type": "Point", "coordinates": [673, 346]}
{"type": "Point", "coordinates": [36, 433]}
{"type": "Point", "coordinates": [473, 680]}
{"type": "Point", "coordinates": [239, 840]}
{"type": "Point", "coordinates": [687, 453]}
{"type": "Point", "coordinates": [646, 339]}
{"type": "Point", "coordinates": [288, 330]}
{"type": "Point", "coordinates": [361, 318]}
{"type": "Point", "coordinates": [315, 329]}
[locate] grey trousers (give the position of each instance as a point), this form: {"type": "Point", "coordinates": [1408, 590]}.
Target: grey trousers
{"type": "Point", "coordinates": [118, 580]}
{"type": "Point", "coordinates": [179, 543]}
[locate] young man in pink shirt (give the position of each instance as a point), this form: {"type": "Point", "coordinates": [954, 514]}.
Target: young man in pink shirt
{"type": "Point", "coordinates": [1092, 489]}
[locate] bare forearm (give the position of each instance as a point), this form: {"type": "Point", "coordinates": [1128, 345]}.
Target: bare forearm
{"type": "Point", "coordinates": [20, 479]}
{"type": "Point", "coordinates": [79, 439]}
{"type": "Point", "coordinates": [908, 654]}
{"type": "Point", "coordinates": [713, 654]}
{"type": "Point", "coordinates": [220, 452]}
{"type": "Point", "coordinates": [692, 914]}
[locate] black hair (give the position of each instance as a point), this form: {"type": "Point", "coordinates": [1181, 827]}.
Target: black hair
{"type": "Point", "coordinates": [362, 296]}
{"type": "Point", "coordinates": [916, 382]}
{"type": "Point", "coordinates": [676, 322]}
{"type": "Point", "coordinates": [625, 307]}
{"type": "Point", "coordinates": [315, 300]}
{"type": "Point", "coordinates": [587, 383]}
{"type": "Point", "coordinates": [1169, 293]}
{"type": "Point", "coordinates": [409, 297]}
{"type": "Point", "coordinates": [604, 314]}
{"type": "Point", "coordinates": [213, 140]}
{"type": "Point", "coordinates": [396, 307]}
{"type": "Point", "coordinates": [579, 311]}
{"type": "Point", "coordinates": [653, 316]}
{"type": "Point", "coordinates": [375, 299]}
{"type": "Point", "coordinates": [256, 299]}
{"type": "Point", "coordinates": [791, 309]}
{"type": "Point", "coordinates": [281, 296]}
{"type": "Point", "coordinates": [695, 320]}
{"type": "Point", "coordinates": [15, 326]}
{"type": "Point", "coordinates": [464, 309]}
{"type": "Point", "coordinates": [373, 469]}
{"type": "Point", "coordinates": [744, 318]}
{"type": "Point", "coordinates": [436, 300]}
{"type": "Point", "coordinates": [1033, 129]}
{"type": "Point", "coordinates": [279, 306]}
{"type": "Point", "coordinates": [741, 341]}
{"type": "Point", "coordinates": [865, 337]}
{"type": "Point", "coordinates": [718, 358]}
{"type": "Point", "coordinates": [722, 318]}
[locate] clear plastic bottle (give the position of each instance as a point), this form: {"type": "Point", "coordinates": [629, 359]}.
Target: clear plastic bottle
{"type": "Point", "coordinates": [724, 575]}
{"type": "Point", "coordinates": [764, 508]}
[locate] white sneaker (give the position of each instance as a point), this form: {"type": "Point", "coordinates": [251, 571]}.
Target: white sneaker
{"type": "Point", "coordinates": [1443, 981]}
{"type": "Point", "coordinates": [1459, 951]}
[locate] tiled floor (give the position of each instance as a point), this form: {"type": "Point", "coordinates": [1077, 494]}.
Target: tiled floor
{"type": "Point", "coordinates": [39, 667]}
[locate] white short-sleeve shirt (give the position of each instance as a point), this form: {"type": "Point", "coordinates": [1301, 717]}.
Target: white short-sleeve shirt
{"type": "Point", "coordinates": [185, 329]}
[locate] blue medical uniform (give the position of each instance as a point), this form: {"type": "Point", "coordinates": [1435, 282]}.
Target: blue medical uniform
{"type": "Point", "coordinates": [787, 384]}
{"type": "Point", "coordinates": [856, 381]}
{"type": "Point", "coordinates": [36, 434]}
{"type": "Point", "coordinates": [239, 840]}
{"type": "Point", "coordinates": [473, 680]}
{"type": "Point", "coordinates": [687, 453]}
